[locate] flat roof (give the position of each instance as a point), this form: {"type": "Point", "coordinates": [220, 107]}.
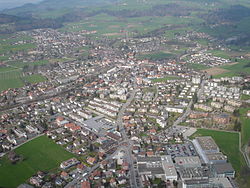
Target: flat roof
{"type": "Point", "coordinates": [216, 156]}
{"type": "Point", "coordinates": [98, 123]}
{"type": "Point", "coordinates": [207, 143]}
{"type": "Point", "coordinates": [143, 168]}
{"type": "Point", "coordinates": [193, 172]}
{"type": "Point", "coordinates": [188, 160]}
{"type": "Point", "coordinates": [223, 168]}
{"type": "Point", "coordinates": [148, 159]}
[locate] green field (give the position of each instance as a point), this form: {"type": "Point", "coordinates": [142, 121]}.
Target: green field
{"type": "Point", "coordinates": [242, 67]}
{"type": "Point", "coordinates": [155, 56]}
{"type": "Point", "coordinates": [196, 66]}
{"type": "Point", "coordinates": [39, 154]}
{"type": "Point", "coordinates": [35, 78]}
{"type": "Point", "coordinates": [219, 53]}
{"type": "Point", "coordinates": [165, 79]}
{"type": "Point", "coordinates": [228, 144]}
{"type": "Point", "coordinates": [14, 79]}
{"type": "Point", "coordinates": [245, 127]}
{"type": "Point", "coordinates": [245, 97]}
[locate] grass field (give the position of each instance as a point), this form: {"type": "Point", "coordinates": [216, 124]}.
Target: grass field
{"type": "Point", "coordinates": [14, 79]}
{"type": "Point", "coordinates": [220, 53]}
{"type": "Point", "coordinates": [155, 56]}
{"type": "Point", "coordinates": [245, 127]}
{"type": "Point", "coordinates": [35, 78]}
{"type": "Point", "coordinates": [242, 67]}
{"type": "Point", "coordinates": [39, 154]}
{"type": "Point", "coordinates": [245, 97]}
{"type": "Point", "coordinates": [196, 66]}
{"type": "Point", "coordinates": [228, 144]}
{"type": "Point", "coordinates": [165, 79]}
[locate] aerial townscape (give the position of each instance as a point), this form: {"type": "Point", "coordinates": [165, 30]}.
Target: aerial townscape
{"type": "Point", "coordinates": [125, 93]}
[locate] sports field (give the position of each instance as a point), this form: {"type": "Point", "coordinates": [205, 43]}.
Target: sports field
{"type": "Point", "coordinates": [39, 154]}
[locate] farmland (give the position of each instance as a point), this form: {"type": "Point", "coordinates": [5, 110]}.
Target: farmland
{"type": "Point", "coordinates": [38, 154]}
{"type": "Point", "coordinates": [240, 68]}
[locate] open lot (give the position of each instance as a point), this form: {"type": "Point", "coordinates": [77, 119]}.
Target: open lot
{"type": "Point", "coordinates": [215, 71]}
{"type": "Point", "coordinates": [39, 154]}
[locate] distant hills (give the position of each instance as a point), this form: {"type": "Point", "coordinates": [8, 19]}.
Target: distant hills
{"type": "Point", "coordinates": [49, 5]}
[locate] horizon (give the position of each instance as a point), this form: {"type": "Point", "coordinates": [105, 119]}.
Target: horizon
{"type": "Point", "coordinates": [6, 4]}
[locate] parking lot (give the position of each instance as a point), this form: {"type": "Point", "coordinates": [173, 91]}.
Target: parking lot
{"type": "Point", "coordinates": [181, 150]}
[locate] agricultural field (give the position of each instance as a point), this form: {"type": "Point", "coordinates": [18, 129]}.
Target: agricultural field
{"type": "Point", "coordinates": [14, 78]}
{"type": "Point", "coordinates": [39, 154]}
{"type": "Point", "coordinates": [242, 67]}
{"type": "Point", "coordinates": [11, 76]}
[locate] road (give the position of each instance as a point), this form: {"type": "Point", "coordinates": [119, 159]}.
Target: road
{"type": "Point", "coordinates": [80, 176]}
{"type": "Point", "coordinates": [128, 150]}
{"type": "Point", "coordinates": [188, 110]}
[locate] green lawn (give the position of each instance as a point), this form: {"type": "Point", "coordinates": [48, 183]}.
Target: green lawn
{"type": "Point", "coordinates": [39, 154]}
{"type": "Point", "coordinates": [240, 68]}
{"type": "Point", "coordinates": [220, 53]}
{"type": "Point", "coordinates": [228, 144]}
{"type": "Point", "coordinates": [165, 79]}
{"type": "Point", "coordinates": [196, 66]}
{"type": "Point", "coordinates": [35, 78]}
{"type": "Point", "coordinates": [155, 56]}
{"type": "Point", "coordinates": [245, 127]}
{"type": "Point", "coordinates": [15, 79]}
{"type": "Point", "coordinates": [245, 97]}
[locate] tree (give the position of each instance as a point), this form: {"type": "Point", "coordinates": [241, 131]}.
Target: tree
{"type": "Point", "coordinates": [91, 148]}
{"type": "Point", "coordinates": [236, 113]}
{"type": "Point", "coordinates": [195, 98]}
{"type": "Point", "coordinates": [237, 125]}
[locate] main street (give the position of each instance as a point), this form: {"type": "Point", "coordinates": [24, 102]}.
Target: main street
{"type": "Point", "coordinates": [128, 150]}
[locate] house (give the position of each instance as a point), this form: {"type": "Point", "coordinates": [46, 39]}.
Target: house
{"type": "Point", "coordinates": [122, 180]}
{"type": "Point", "coordinates": [222, 118]}
{"type": "Point", "coordinates": [248, 113]}
{"type": "Point", "coordinates": [91, 160]}
{"type": "Point", "coordinates": [69, 163]}
{"type": "Point", "coordinates": [64, 175]}
{"type": "Point", "coordinates": [85, 184]}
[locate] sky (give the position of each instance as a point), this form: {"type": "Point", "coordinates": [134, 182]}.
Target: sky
{"type": "Point", "coordinates": [4, 4]}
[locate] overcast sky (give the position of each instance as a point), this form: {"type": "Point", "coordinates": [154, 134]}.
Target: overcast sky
{"type": "Point", "coordinates": [15, 3]}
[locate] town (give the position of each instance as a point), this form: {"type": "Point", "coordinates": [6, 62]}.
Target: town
{"type": "Point", "coordinates": [125, 121]}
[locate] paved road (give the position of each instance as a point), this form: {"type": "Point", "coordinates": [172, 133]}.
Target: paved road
{"type": "Point", "coordinates": [128, 150]}
{"type": "Point", "coordinates": [188, 110]}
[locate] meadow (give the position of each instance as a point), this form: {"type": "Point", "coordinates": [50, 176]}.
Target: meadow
{"type": "Point", "coordinates": [40, 154]}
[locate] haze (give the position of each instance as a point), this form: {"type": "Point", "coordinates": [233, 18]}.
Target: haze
{"type": "Point", "coordinates": [5, 4]}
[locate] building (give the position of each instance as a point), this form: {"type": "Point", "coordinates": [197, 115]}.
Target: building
{"type": "Point", "coordinates": [69, 163]}
{"type": "Point", "coordinates": [223, 170]}
{"type": "Point", "coordinates": [188, 161]}
{"type": "Point", "coordinates": [206, 144]}
{"type": "Point", "coordinates": [157, 167]}
{"type": "Point", "coordinates": [222, 118]}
